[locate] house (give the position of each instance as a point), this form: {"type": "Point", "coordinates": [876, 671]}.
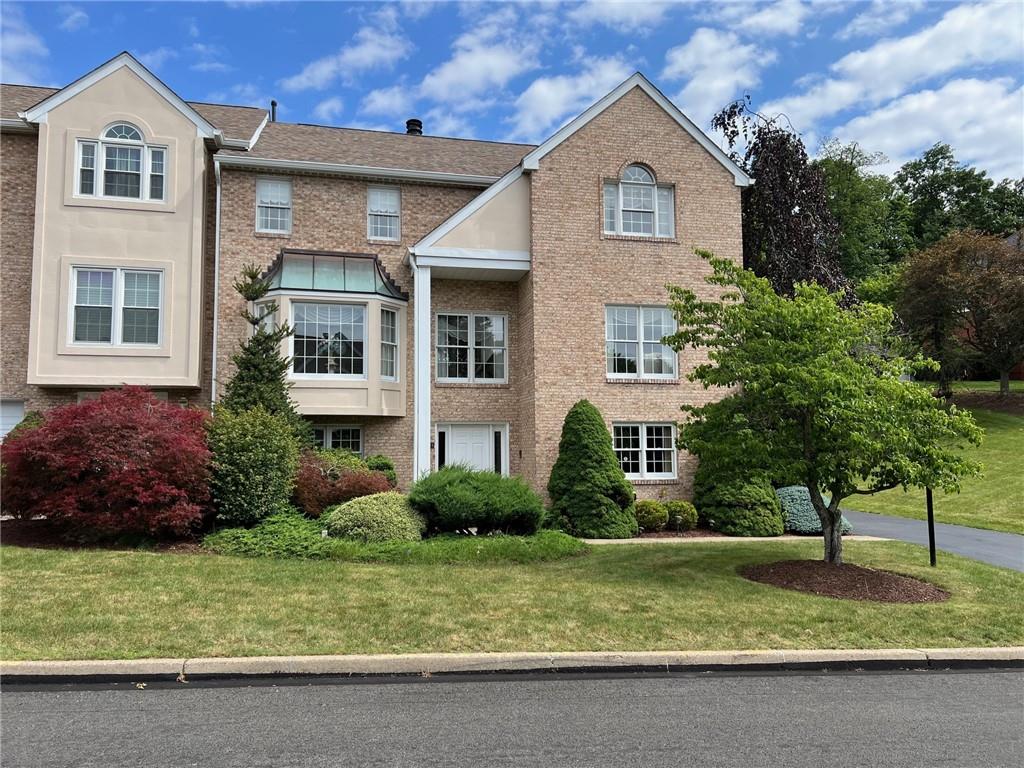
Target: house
{"type": "Point", "coordinates": [451, 298]}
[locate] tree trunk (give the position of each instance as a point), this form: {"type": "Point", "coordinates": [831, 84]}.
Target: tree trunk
{"type": "Point", "coordinates": [833, 532]}
{"type": "Point", "coordinates": [1004, 383]}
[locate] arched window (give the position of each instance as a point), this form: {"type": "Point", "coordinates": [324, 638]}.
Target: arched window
{"type": "Point", "coordinates": [638, 205]}
{"type": "Point", "coordinates": [121, 165]}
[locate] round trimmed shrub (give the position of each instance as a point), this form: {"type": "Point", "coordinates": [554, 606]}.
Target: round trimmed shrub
{"type": "Point", "coordinates": [384, 465]}
{"type": "Point", "coordinates": [798, 512]}
{"type": "Point", "coordinates": [682, 515]}
{"type": "Point", "coordinates": [587, 486]}
{"type": "Point", "coordinates": [744, 509]}
{"type": "Point", "coordinates": [456, 498]}
{"type": "Point", "coordinates": [255, 455]}
{"type": "Point", "coordinates": [340, 459]}
{"type": "Point", "coordinates": [380, 517]}
{"type": "Point", "coordinates": [650, 515]}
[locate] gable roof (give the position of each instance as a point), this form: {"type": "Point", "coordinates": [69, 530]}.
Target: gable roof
{"type": "Point", "coordinates": [37, 113]}
{"type": "Point", "coordinates": [532, 161]}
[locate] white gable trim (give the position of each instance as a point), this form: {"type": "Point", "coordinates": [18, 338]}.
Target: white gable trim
{"type": "Point", "coordinates": [467, 210]}
{"type": "Point", "coordinates": [37, 114]}
{"type": "Point", "coordinates": [532, 161]}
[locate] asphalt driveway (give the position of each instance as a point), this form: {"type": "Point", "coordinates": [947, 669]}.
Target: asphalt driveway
{"type": "Point", "coordinates": [993, 547]}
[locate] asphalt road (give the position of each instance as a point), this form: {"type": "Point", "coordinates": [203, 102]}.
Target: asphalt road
{"type": "Point", "coordinates": [993, 547]}
{"type": "Point", "coordinates": [793, 720]}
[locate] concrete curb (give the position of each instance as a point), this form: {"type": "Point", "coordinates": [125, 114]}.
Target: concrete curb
{"type": "Point", "coordinates": [439, 664]}
{"type": "Point", "coordinates": [720, 539]}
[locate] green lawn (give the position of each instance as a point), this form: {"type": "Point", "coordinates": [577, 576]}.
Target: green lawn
{"type": "Point", "coordinates": [994, 501]}
{"type": "Point", "coordinates": [978, 386]}
{"type": "Point", "coordinates": [68, 604]}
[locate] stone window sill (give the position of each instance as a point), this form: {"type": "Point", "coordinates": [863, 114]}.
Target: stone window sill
{"type": "Point", "coordinates": [471, 385]}
{"type": "Point", "coordinates": [660, 481]}
{"type": "Point", "coordinates": [641, 239]}
{"type": "Point", "coordinates": [636, 382]}
{"type": "Point", "coordinates": [274, 235]}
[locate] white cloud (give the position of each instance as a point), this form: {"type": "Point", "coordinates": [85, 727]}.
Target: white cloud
{"type": "Point", "coordinates": [440, 122]}
{"type": "Point", "coordinates": [635, 15]}
{"type": "Point", "coordinates": [73, 18]}
{"type": "Point", "coordinates": [390, 102]}
{"type": "Point", "coordinates": [158, 57]}
{"type": "Point", "coordinates": [718, 67]}
{"type": "Point", "coordinates": [782, 18]}
{"type": "Point", "coordinates": [329, 109]}
{"type": "Point", "coordinates": [966, 36]}
{"type": "Point", "coordinates": [22, 52]}
{"type": "Point", "coordinates": [208, 58]}
{"type": "Point", "coordinates": [484, 59]}
{"type": "Point", "coordinates": [246, 94]}
{"type": "Point", "coordinates": [550, 101]}
{"type": "Point", "coordinates": [880, 17]}
{"type": "Point", "coordinates": [193, 28]}
{"type": "Point", "coordinates": [417, 9]}
{"type": "Point", "coordinates": [371, 47]}
{"type": "Point", "coordinates": [983, 120]}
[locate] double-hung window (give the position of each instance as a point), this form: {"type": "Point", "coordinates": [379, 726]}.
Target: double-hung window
{"type": "Point", "coordinates": [383, 213]}
{"type": "Point", "coordinates": [389, 344]}
{"type": "Point", "coordinates": [274, 206]}
{"type": "Point", "coordinates": [633, 347]}
{"type": "Point", "coordinates": [472, 348]}
{"type": "Point", "coordinates": [116, 306]}
{"type": "Point", "coordinates": [637, 205]}
{"type": "Point", "coordinates": [329, 339]}
{"type": "Point", "coordinates": [347, 438]}
{"type": "Point", "coordinates": [646, 451]}
{"type": "Point", "coordinates": [128, 168]}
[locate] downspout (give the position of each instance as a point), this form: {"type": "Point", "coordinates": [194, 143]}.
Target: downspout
{"type": "Point", "coordinates": [216, 286]}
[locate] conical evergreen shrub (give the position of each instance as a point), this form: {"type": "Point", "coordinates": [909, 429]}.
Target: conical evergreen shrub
{"type": "Point", "coordinates": [588, 489]}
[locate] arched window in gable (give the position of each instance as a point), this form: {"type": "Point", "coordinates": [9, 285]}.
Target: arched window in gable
{"type": "Point", "coordinates": [121, 165]}
{"type": "Point", "coordinates": [637, 205]}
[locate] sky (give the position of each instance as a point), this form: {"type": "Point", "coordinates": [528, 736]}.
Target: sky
{"type": "Point", "coordinates": [895, 76]}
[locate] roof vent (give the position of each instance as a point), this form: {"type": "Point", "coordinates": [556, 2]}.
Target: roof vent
{"type": "Point", "coordinates": [273, 110]}
{"type": "Point", "coordinates": [414, 126]}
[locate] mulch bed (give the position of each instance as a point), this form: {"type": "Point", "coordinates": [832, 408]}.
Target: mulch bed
{"type": "Point", "coordinates": [696, 533]}
{"type": "Point", "coordinates": [845, 582]}
{"type": "Point", "coordinates": [38, 534]}
{"type": "Point", "coordinates": [1012, 404]}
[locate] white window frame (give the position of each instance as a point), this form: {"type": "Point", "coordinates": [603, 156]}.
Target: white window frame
{"type": "Point", "coordinates": [100, 164]}
{"type": "Point", "coordinates": [393, 345]}
{"type": "Point", "coordinates": [397, 216]}
{"type": "Point", "coordinates": [644, 474]}
{"type": "Point", "coordinates": [502, 427]}
{"type": "Point", "coordinates": [471, 372]}
{"type": "Point", "coordinates": [117, 308]}
{"type": "Point", "coordinates": [290, 207]}
{"type": "Point", "coordinates": [328, 428]}
{"type": "Point", "coordinates": [332, 376]}
{"type": "Point", "coordinates": [658, 219]}
{"type": "Point", "coordinates": [640, 341]}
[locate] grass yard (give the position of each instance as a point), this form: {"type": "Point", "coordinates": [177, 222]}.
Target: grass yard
{"type": "Point", "coordinates": [70, 604]}
{"type": "Point", "coordinates": [994, 501]}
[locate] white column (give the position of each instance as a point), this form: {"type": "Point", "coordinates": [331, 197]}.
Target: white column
{"type": "Point", "coordinates": [421, 374]}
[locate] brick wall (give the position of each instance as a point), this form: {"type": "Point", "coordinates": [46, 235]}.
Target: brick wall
{"type": "Point", "coordinates": [577, 270]}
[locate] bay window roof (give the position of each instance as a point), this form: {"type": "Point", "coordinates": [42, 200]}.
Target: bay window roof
{"type": "Point", "coordinates": [332, 272]}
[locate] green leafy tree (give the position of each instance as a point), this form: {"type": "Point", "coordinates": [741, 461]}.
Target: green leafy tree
{"type": "Point", "coordinates": [821, 402]}
{"type": "Point", "coordinates": [873, 219]}
{"type": "Point", "coordinates": [945, 195]}
{"type": "Point", "coordinates": [588, 489]}
{"type": "Point", "coordinates": [261, 371]}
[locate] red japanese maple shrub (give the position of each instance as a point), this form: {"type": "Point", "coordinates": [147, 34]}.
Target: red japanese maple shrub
{"type": "Point", "coordinates": [319, 485]}
{"type": "Point", "coordinates": [123, 463]}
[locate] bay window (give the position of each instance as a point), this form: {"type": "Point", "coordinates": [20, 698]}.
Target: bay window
{"type": "Point", "coordinates": [645, 451]}
{"type": "Point", "coordinates": [637, 205]}
{"type": "Point", "coordinates": [633, 346]}
{"type": "Point", "coordinates": [128, 167]}
{"type": "Point", "coordinates": [116, 306]}
{"type": "Point", "coordinates": [329, 339]}
{"type": "Point", "coordinates": [472, 348]}
{"type": "Point", "coordinates": [389, 344]}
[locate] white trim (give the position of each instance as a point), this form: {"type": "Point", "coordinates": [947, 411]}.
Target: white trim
{"type": "Point", "coordinates": [16, 125]}
{"type": "Point", "coordinates": [291, 205]}
{"type": "Point", "coordinates": [37, 114]}
{"type": "Point", "coordinates": [216, 285]}
{"type": "Point", "coordinates": [117, 307]}
{"type": "Point", "coordinates": [471, 357]}
{"type": "Point", "coordinates": [364, 376]}
{"type": "Point", "coordinates": [421, 369]}
{"type": "Point", "coordinates": [532, 160]}
{"type": "Point", "coordinates": [251, 142]}
{"type": "Point", "coordinates": [640, 375]}
{"type": "Point", "coordinates": [396, 343]}
{"type": "Point", "coordinates": [398, 174]}
{"type": "Point", "coordinates": [467, 210]}
{"type": "Point", "coordinates": [497, 426]}
{"type": "Point", "coordinates": [329, 426]}
{"type": "Point", "coordinates": [99, 169]}
{"type": "Point", "coordinates": [398, 216]}
{"type": "Point", "coordinates": [673, 451]}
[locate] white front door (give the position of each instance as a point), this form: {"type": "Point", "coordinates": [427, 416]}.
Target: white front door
{"type": "Point", "coordinates": [477, 446]}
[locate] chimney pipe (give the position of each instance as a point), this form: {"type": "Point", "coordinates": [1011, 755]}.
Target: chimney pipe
{"type": "Point", "coordinates": [414, 126]}
{"type": "Point", "coordinates": [273, 110]}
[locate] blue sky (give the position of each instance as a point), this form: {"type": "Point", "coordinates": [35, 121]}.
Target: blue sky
{"type": "Point", "coordinates": [895, 76]}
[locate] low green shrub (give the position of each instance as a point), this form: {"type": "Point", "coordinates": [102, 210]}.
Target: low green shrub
{"type": "Point", "coordinates": [339, 459]}
{"type": "Point", "coordinates": [798, 513]}
{"type": "Point", "coordinates": [255, 456]}
{"type": "Point", "coordinates": [380, 517]}
{"type": "Point", "coordinates": [385, 465]}
{"type": "Point", "coordinates": [294, 536]}
{"type": "Point", "coordinates": [30, 420]}
{"type": "Point", "coordinates": [456, 499]}
{"type": "Point", "coordinates": [682, 515]}
{"type": "Point", "coordinates": [744, 509]}
{"type": "Point", "coordinates": [651, 515]}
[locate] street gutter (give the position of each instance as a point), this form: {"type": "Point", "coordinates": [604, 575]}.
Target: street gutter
{"type": "Point", "coordinates": [454, 664]}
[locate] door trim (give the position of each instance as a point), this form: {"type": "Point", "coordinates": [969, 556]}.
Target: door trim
{"type": "Point", "coordinates": [495, 426]}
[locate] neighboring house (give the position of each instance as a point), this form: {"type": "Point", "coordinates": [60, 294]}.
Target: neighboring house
{"type": "Point", "coordinates": [451, 298]}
